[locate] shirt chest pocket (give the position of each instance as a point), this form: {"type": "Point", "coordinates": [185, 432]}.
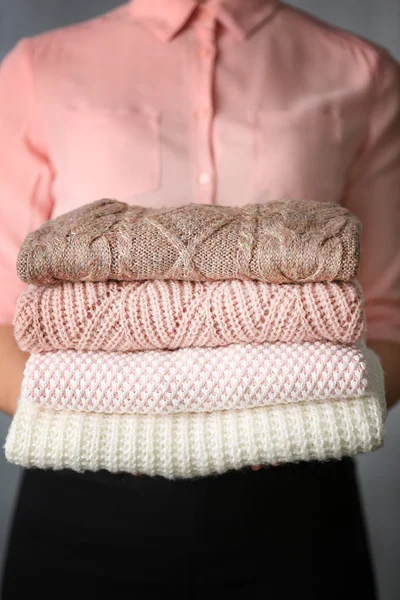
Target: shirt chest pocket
{"type": "Point", "coordinates": [111, 152]}
{"type": "Point", "coordinates": [299, 154]}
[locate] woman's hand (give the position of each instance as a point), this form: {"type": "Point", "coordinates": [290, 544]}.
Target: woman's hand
{"type": "Point", "coordinates": [258, 467]}
{"type": "Point", "coordinates": [12, 364]}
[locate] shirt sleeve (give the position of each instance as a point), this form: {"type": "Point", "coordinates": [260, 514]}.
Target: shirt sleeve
{"type": "Point", "coordinates": [374, 196]}
{"type": "Point", "coordinates": [25, 171]}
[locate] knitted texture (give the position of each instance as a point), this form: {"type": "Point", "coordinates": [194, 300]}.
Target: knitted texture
{"type": "Point", "coordinates": [193, 445]}
{"type": "Point", "coordinates": [277, 242]}
{"type": "Point", "coordinates": [177, 314]}
{"type": "Point", "coordinates": [190, 445]}
{"type": "Point", "coordinates": [194, 379]}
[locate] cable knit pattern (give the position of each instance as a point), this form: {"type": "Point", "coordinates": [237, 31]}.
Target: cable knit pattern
{"type": "Point", "coordinates": [194, 379]}
{"type": "Point", "coordinates": [191, 445]}
{"type": "Point", "coordinates": [177, 314]}
{"type": "Point", "coordinates": [277, 242]}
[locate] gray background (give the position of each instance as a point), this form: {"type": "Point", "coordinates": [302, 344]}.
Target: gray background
{"type": "Point", "coordinates": [379, 475]}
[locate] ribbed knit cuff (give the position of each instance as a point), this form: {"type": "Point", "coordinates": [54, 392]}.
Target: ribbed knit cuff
{"type": "Point", "coordinates": [191, 445]}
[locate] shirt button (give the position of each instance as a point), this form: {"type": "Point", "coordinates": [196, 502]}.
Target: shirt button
{"type": "Point", "coordinates": [204, 13]}
{"type": "Point", "coordinates": [204, 52]}
{"type": "Point", "coordinates": [202, 113]}
{"type": "Point", "coordinates": [204, 178]}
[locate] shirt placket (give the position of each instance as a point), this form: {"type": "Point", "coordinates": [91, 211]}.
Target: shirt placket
{"type": "Point", "coordinates": [204, 183]}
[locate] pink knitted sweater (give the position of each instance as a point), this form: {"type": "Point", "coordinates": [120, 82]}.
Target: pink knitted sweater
{"type": "Point", "coordinates": [194, 379]}
{"type": "Point", "coordinates": [171, 314]}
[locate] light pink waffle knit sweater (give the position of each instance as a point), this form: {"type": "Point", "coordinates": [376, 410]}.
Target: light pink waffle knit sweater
{"type": "Point", "coordinates": [172, 314]}
{"type": "Point", "coordinates": [194, 379]}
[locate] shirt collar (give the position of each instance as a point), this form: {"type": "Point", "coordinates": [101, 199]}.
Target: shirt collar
{"type": "Point", "coordinates": [167, 17]}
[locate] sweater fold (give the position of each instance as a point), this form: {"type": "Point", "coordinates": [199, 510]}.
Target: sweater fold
{"type": "Point", "coordinates": [284, 241]}
{"type": "Point", "coordinates": [129, 316]}
{"type": "Point", "coordinates": [196, 379]}
{"type": "Point", "coordinates": [193, 445]}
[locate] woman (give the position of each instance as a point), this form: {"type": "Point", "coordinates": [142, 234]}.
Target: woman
{"type": "Point", "coordinates": [170, 102]}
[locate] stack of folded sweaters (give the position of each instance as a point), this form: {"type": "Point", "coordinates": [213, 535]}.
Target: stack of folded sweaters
{"type": "Point", "coordinates": [194, 340]}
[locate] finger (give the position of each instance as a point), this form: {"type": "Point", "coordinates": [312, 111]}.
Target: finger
{"type": "Point", "coordinates": [258, 467]}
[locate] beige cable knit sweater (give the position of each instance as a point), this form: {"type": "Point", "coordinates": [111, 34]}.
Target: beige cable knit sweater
{"type": "Point", "coordinates": [277, 242]}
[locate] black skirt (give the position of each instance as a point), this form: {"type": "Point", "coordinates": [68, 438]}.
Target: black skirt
{"type": "Point", "coordinates": [287, 532]}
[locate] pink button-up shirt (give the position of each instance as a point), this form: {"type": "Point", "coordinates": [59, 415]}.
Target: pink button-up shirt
{"type": "Point", "coordinates": [166, 102]}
